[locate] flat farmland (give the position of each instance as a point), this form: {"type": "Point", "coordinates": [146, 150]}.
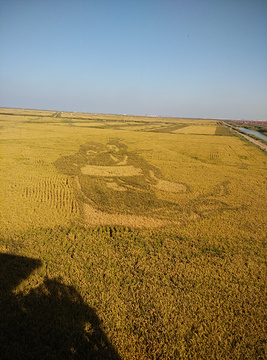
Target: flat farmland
{"type": "Point", "coordinates": [152, 231]}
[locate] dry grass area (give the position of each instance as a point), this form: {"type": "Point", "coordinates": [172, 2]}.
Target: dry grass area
{"type": "Point", "coordinates": [128, 240]}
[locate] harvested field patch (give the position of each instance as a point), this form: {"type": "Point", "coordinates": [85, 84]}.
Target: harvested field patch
{"type": "Point", "coordinates": [114, 171]}
{"type": "Point", "coordinates": [114, 186]}
{"type": "Point", "coordinates": [96, 217]}
{"type": "Point", "coordinates": [167, 128]}
{"type": "Point", "coordinates": [197, 129]}
{"type": "Point", "coordinates": [168, 186]}
{"type": "Point", "coordinates": [124, 161]}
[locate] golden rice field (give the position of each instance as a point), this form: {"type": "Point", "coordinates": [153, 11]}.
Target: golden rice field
{"type": "Point", "coordinates": [126, 237]}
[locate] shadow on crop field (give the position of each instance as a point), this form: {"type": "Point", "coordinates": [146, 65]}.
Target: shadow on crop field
{"type": "Point", "coordinates": [51, 321]}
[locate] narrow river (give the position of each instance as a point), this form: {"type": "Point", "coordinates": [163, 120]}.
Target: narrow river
{"type": "Point", "coordinates": [253, 132]}
{"type": "Point", "coordinates": [249, 132]}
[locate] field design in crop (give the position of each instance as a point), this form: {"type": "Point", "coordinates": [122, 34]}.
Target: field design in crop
{"type": "Point", "coordinates": [151, 235]}
{"type": "Point", "coordinates": [119, 187]}
{"type": "Point", "coordinates": [117, 181]}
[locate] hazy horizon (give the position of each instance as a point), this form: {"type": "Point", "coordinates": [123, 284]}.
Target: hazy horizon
{"type": "Point", "coordinates": [118, 114]}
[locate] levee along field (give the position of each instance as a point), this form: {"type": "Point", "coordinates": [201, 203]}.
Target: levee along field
{"type": "Point", "coordinates": [128, 237]}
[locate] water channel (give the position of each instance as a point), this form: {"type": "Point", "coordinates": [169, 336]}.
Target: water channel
{"type": "Point", "coordinates": [250, 132]}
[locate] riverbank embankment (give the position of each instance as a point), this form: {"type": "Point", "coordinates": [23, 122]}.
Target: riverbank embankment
{"type": "Point", "coordinates": [254, 141]}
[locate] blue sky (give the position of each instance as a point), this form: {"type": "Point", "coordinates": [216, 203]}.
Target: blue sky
{"type": "Point", "coordinates": [184, 58]}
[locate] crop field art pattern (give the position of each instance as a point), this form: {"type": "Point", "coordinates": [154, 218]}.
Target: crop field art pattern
{"type": "Point", "coordinates": [126, 237]}
{"type": "Point", "coordinates": [114, 180]}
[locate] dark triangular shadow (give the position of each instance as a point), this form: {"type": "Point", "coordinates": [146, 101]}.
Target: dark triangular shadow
{"type": "Point", "coordinates": [50, 322]}
{"type": "Point", "coordinates": [14, 269]}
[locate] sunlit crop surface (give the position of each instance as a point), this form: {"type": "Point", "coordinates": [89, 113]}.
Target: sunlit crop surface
{"type": "Point", "coordinates": [151, 231]}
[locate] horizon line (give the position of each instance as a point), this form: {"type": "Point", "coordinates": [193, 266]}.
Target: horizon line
{"type": "Point", "coordinates": [146, 115]}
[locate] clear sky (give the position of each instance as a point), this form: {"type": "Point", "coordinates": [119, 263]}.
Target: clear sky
{"type": "Point", "coordinates": [184, 58]}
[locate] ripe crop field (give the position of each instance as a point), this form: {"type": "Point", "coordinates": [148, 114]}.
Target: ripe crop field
{"type": "Point", "coordinates": [127, 237]}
